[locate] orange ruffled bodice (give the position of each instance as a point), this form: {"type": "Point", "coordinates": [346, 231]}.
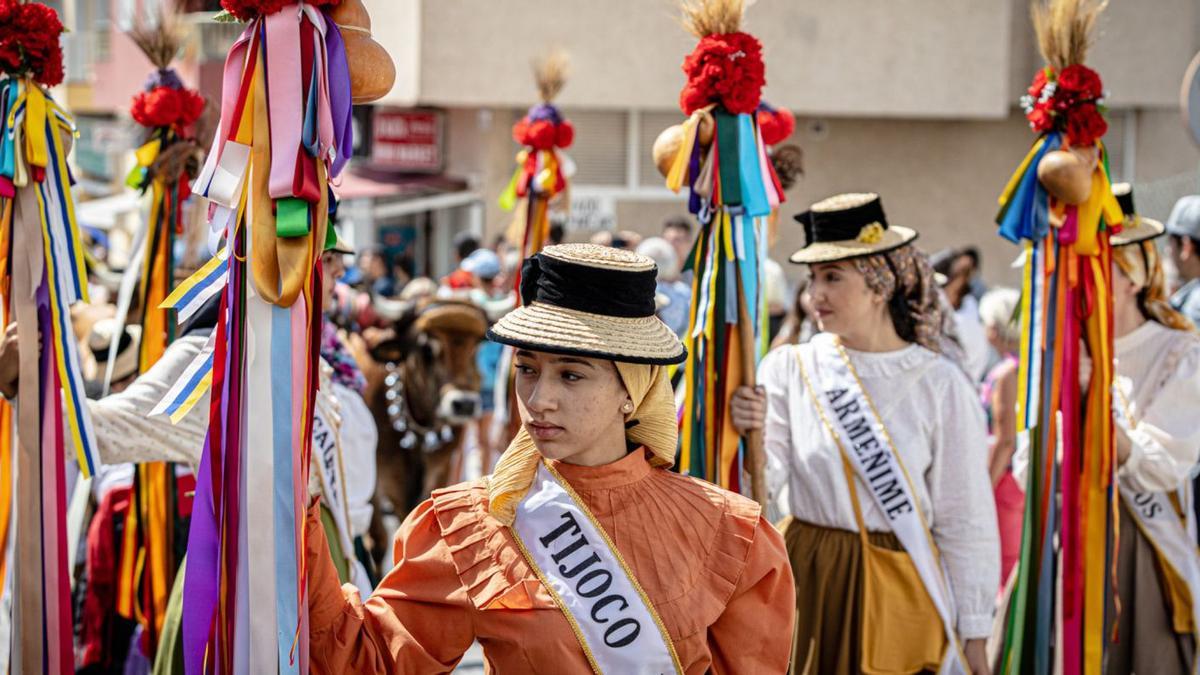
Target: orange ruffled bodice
{"type": "Point", "coordinates": [716, 572]}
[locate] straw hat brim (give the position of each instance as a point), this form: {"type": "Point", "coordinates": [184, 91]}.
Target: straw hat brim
{"type": "Point", "coordinates": [542, 327]}
{"type": "Point", "coordinates": [1146, 228]}
{"type": "Point", "coordinates": [127, 360]}
{"type": "Point", "coordinates": [832, 251]}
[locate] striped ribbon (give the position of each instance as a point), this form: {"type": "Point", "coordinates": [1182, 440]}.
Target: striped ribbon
{"type": "Point", "coordinates": [147, 562]}
{"type": "Point", "coordinates": [1056, 619]}
{"type": "Point", "coordinates": [284, 121]}
{"type": "Point", "coordinates": [42, 277]}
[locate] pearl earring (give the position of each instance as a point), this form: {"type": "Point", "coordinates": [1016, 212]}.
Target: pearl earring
{"type": "Point", "coordinates": [627, 407]}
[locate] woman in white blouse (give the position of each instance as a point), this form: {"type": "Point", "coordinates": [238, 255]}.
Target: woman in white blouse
{"type": "Point", "coordinates": [873, 397]}
{"type": "Point", "coordinates": [1157, 400]}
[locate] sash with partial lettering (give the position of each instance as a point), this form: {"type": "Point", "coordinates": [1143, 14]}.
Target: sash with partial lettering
{"type": "Point", "coordinates": [850, 416]}
{"type": "Point", "coordinates": [617, 626]}
{"type": "Point", "coordinates": [331, 466]}
{"type": "Point", "coordinates": [1158, 520]}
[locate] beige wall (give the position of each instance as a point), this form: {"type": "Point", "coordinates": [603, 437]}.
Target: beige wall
{"type": "Point", "coordinates": [901, 58]}
{"type": "Point", "coordinates": [913, 98]}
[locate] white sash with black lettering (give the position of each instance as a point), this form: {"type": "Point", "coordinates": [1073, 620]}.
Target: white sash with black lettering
{"type": "Point", "coordinates": [851, 416]}
{"type": "Point", "coordinates": [1160, 523]}
{"type": "Point", "coordinates": [614, 621]}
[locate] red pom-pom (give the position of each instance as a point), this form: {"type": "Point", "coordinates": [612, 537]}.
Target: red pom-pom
{"type": "Point", "coordinates": [245, 10]}
{"type": "Point", "coordinates": [538, 135]}
{"type": "Point", "coordinates": [29, 42]}
{"type": "Point", "coordinates": [191, 107]}
{"type": "Point", "coordinates": [167, 107]}
{"type": "Point", "coordinates": [564, 134]}
{"type": "Point", "coordinates": [726, 69]}
{"type": "Point", "coordinates": [776, 125]}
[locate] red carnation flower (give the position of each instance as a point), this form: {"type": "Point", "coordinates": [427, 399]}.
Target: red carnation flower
{"type": "Point", "coordinates": [155, 108]}
{"type": "Point", "coordinates": [246, 10]}
{"type": "Point", "coordinates": [1039, 83]}
{"type": "Point", "coordinates": [167, 107]}
{"type": "Point", "coordinates": [29, 41]}
{"type": "Point", "coordinates": [191, 107]}
{"type": "Point", "coordinates": [1040, 118]}
{"type": "Point", "coordinates": [1085, 124]}
{"type": "Point", "coordinates": [725, 69]}
{"type": "Point", "coordinates": [50, 71]}
{"type": "Point", "coordinates": [1080, 82]}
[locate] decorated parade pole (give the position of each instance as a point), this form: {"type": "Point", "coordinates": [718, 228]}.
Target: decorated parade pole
{"type": "Point", "coordinates": [719, 153]}
{"type": "Point", "coordinates": [168, 159]}
{"type": "Point", "coordinates": [43, 275]}
{"type": "Point", "coordinates": [543, 168]}
{"type": "Point", "coordinates": [541, 182]}
{"type": "Point", "coordinates": [1059, 205]}
{"type": "Point", "coordinates": [285, 131]}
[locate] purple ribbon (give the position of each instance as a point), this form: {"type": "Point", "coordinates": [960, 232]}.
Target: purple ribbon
{"type": "Point", "coordinates": [200, 580]}
{"type": "Point", "coordinates": [340, 100]}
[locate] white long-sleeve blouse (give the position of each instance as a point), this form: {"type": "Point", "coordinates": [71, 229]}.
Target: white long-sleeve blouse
{"type": "Point", "coordinates": [934, 417]}
{"type": "Point", "coordinates": [1158, 368]}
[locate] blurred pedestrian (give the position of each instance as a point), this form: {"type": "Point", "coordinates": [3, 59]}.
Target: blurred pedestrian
{"type": "Point", "coordinates": [999, 395]}
{"type": "Point", "coordinates": [678, 296]}
{"type": "Point", "coordinates": [1183, 246]}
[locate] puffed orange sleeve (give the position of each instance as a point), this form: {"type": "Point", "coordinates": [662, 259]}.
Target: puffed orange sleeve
{"type": "Point", "coordinates": [419, 619]}
{"type": "Point", "coordinates": [754, 633]}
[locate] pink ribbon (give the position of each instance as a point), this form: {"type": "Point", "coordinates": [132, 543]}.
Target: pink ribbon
{"type": "Point", "coordinates": [286, 101]}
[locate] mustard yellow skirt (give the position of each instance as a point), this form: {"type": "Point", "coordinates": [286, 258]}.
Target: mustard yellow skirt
{"type": "Point", "coordinates": [827, 566]}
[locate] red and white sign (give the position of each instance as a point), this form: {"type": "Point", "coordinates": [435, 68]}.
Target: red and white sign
{"type": "Point", "coordinates": [407, 140]}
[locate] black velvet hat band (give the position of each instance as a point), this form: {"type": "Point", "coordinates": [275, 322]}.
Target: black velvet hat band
{"type": "Point", "coordinates": [609, 292]}
{"type": "Point", "coordinates": [840, 224]}
{"type": "Point", "coordinates": [1126, 202]}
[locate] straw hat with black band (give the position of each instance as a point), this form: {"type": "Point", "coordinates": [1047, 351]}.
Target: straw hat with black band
{"type": "Point", "coordinates": [588, 300]}
{"type": "Point", "coordinates": [597, 302]}
{"type": "Point", "coordinates": [1137, 256]}
{"type": "Point", "coordinates": [848, 226]}
{"type": "Point", "coordinates": [1137, 228]}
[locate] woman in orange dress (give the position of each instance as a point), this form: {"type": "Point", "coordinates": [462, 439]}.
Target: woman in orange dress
{"type": "Point", "coordinates": [582, 551]}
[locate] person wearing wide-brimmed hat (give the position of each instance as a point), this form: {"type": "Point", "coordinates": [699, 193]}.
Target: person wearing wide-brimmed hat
{"type": "Point", "coordinates": [1157, 394]}
{"type": "Point", "coordinates": [877, 453]}
{"type": "Point", "coordinates": [581, 552]}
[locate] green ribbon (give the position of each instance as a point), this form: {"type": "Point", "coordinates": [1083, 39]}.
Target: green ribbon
{"type": "Point", "coordinates": [291, 217]}
{"type": "Point", "coordinates": [727, 151]}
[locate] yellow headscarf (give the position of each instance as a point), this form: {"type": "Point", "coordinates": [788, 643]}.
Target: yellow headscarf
{"type": "Point", "coordinates": [656, 429]}
{"type": "Point", "coordinates": [1140, 262]}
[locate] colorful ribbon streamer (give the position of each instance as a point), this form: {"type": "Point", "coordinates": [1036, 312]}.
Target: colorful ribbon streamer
{"type": "Point", "coordinates": [285, 118]}
{"type": "Point", "coordinates": [43, 275]}
{"type": "Point", "coordinates": [1057, 609]}
{"type": "Point", "coordinates": [733, 188]}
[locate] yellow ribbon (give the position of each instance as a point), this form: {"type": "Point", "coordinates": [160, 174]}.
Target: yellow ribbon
{"type": "Point", "coordinates": [36, 150]}
{"type": "Point", "coordinates": [678, 173]}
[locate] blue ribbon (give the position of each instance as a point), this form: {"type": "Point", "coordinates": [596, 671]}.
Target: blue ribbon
{"type": "Point", "coordinates": [1026, 216]}
{"type": "Point", "coordinates": [287, 571]}
{"type": "Point", "coordinates": [754, 195]}
{"type": "Point", "coordinates": [9, 90]}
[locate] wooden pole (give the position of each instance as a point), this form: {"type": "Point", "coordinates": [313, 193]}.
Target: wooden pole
{"type": "Point", "coordinates": [756, 461]}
